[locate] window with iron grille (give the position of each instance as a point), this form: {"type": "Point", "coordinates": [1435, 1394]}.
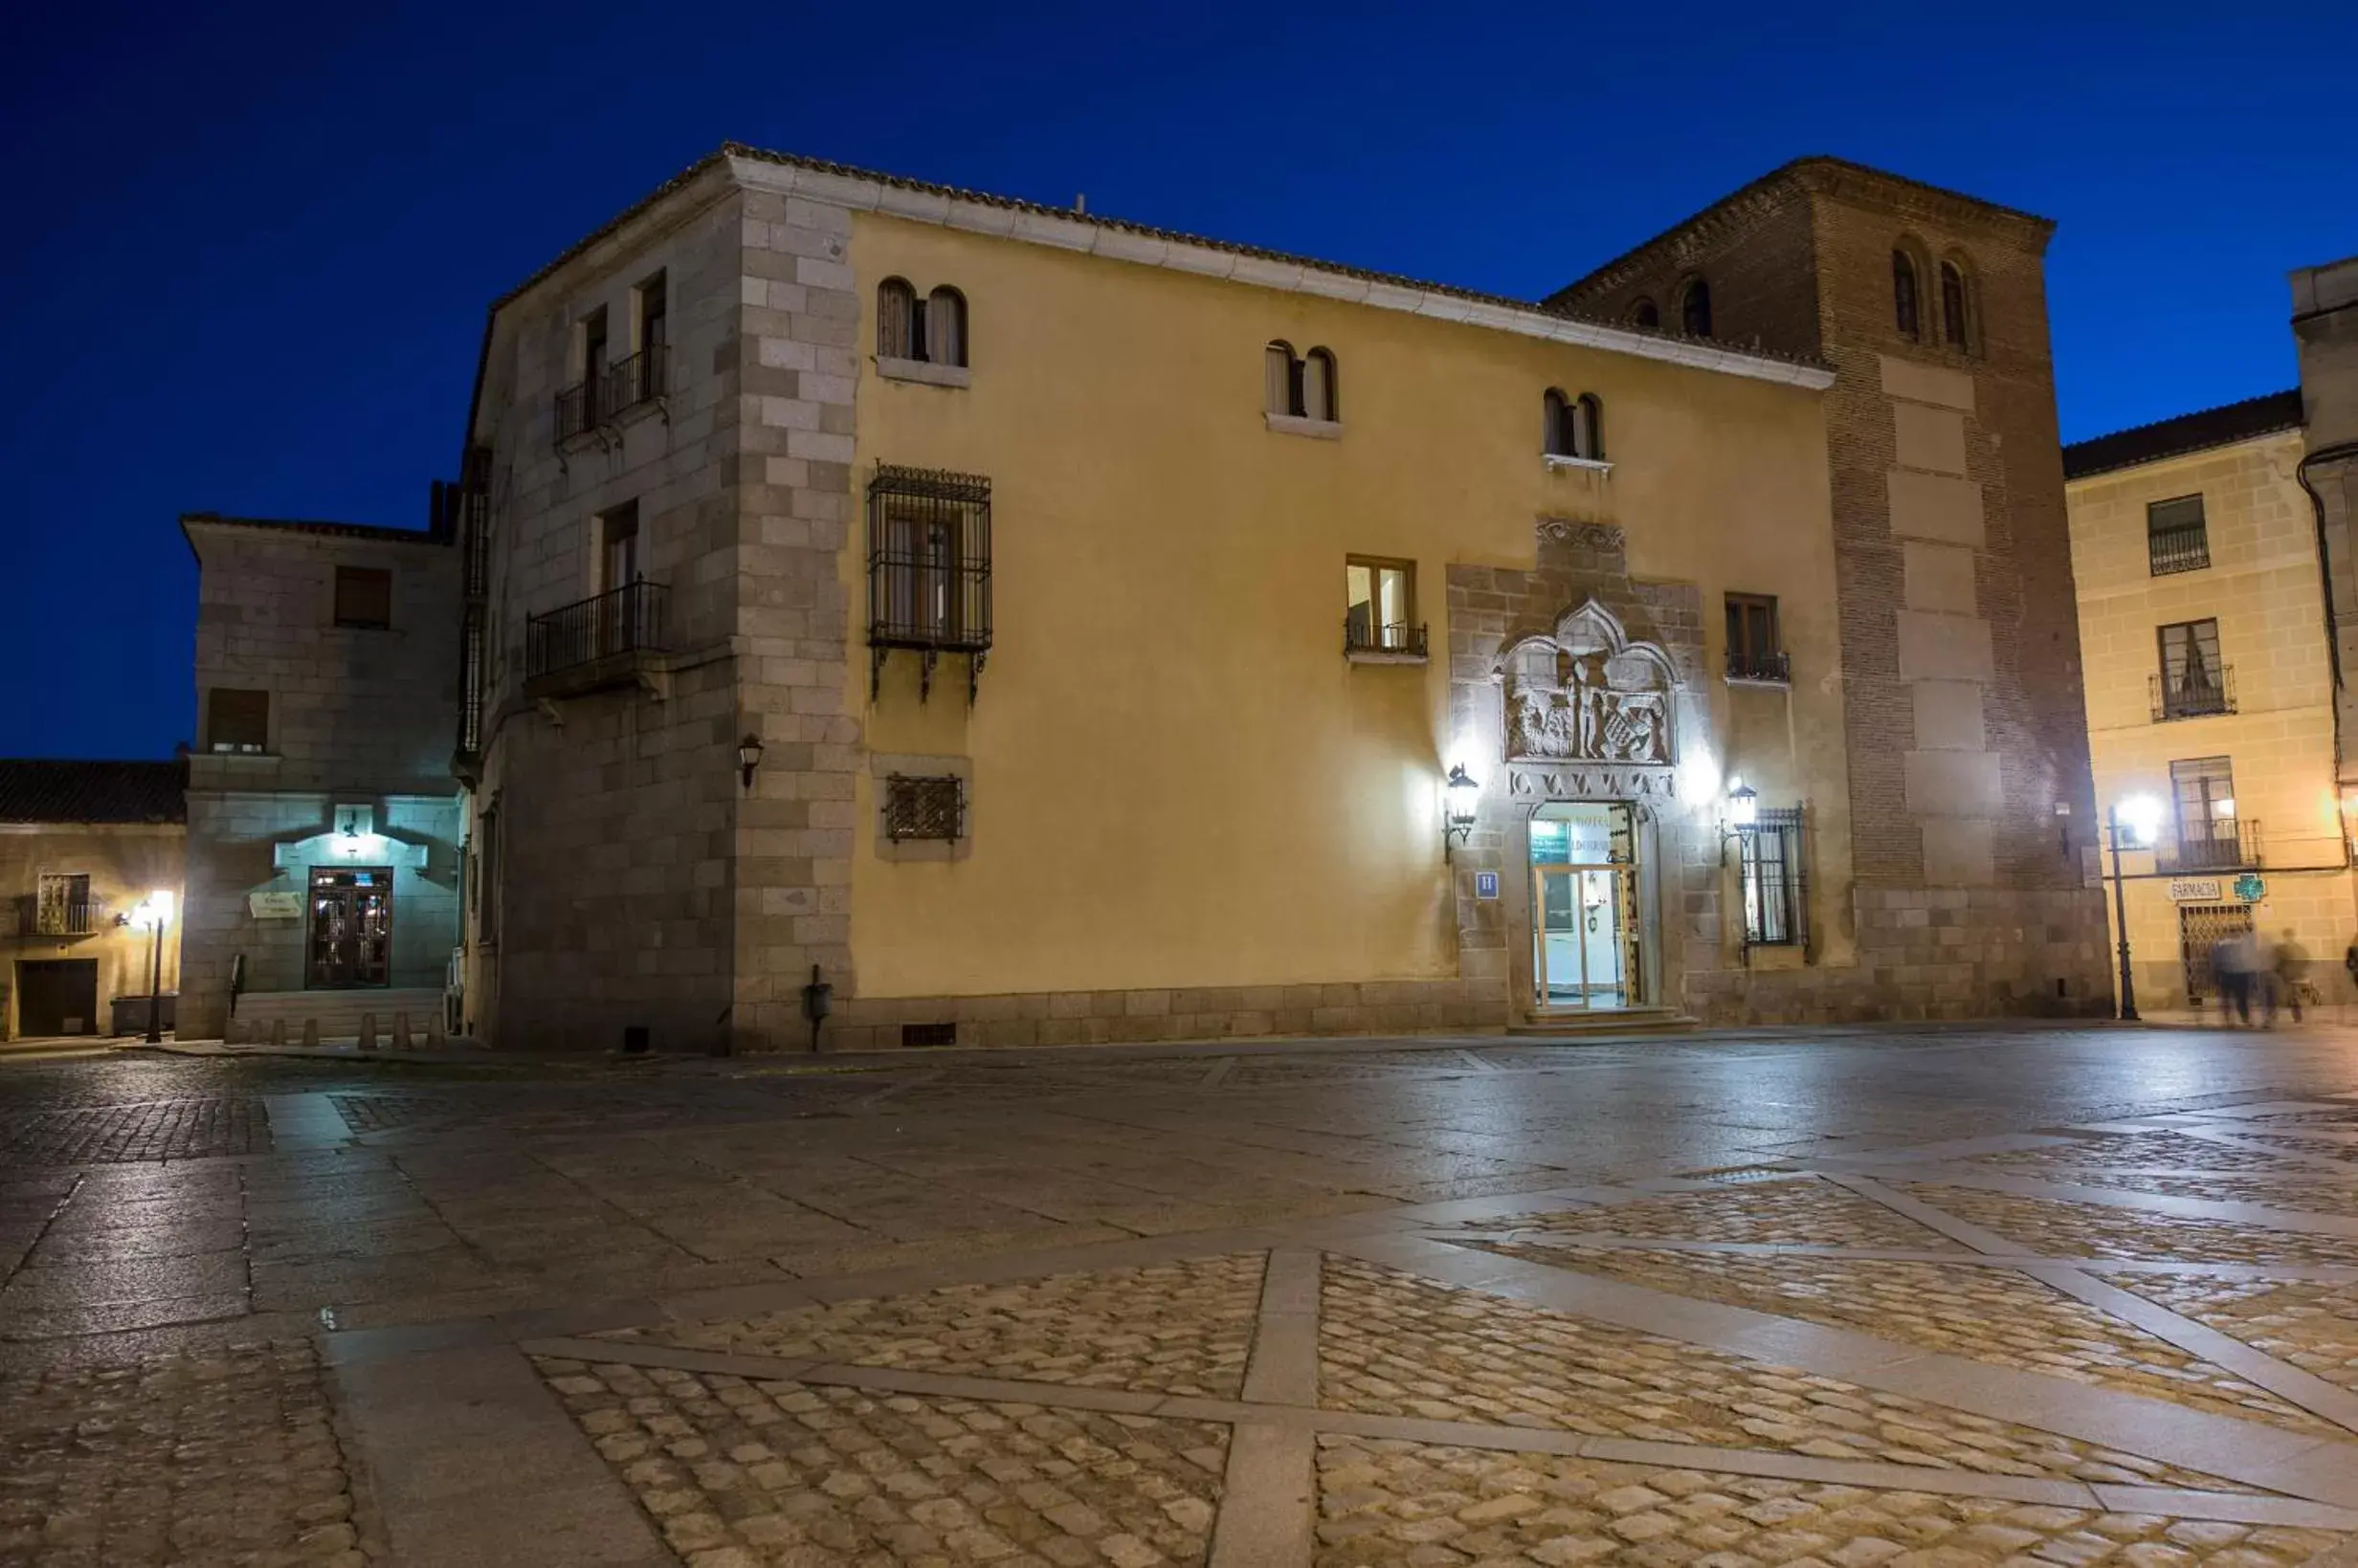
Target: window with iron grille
{"type": "Point", "coordinates": [2194, 680]}
{"type": "Point", "coordinates": [2177, 536]}
{"type": "Point", "coordinates": [923, 805]}
{"type": "Point", "coordinates": [929, 566]}
{"type": "Point", "coordinates": [1776, 906]}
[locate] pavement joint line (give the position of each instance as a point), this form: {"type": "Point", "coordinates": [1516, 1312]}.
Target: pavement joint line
{"type": "Point", "coordinates": [1218, 1072]}
{"type": "Point", "coordinates": [1282, 1368]}
{"type": "Point", "coordinates": [1985, 1242]}
{"type": "Point", "coordinates": [1268, 1499]}
{"type": "Point", "coordinates": [1309, 1421]}
{"type": "Point", "coordinates": [2287, 1382]}
{"type": "Point", "coordinates": [2327, 1273]}
{"type": "Point", "coordinates": [2223, 1445]}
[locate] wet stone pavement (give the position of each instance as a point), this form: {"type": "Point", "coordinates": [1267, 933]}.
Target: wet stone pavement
{"type": "Point", "coordinates": [1921, 1299]}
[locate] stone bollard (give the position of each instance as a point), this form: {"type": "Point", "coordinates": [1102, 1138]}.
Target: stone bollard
{"type": "Point", "coordinates": [401, 1032]}
{"type": "Point", "coordinates": [367, 1031]}
{"type": "Point", "coordinates": [277, 1033]}
{"type": "Point", "coordinates": [437, 1034]}
{"type": "Point", "coordinates": [311, 1031]}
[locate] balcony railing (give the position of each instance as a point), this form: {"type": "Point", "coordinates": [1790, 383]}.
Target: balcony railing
{"type": "Point", "coordinates": [2184, 696]}
{"type": "Point", "coordinates": [614, 389]}
{"type": "Point", "coordinates": [2183, 549]}
{"type": "Point", "coordinates": [1399, 637]}
{"type": "Point", "coordinates": [2230, 843]}
{"type": "Point", "coordinates": [627, 620]}
{"type": "Point", "coordinates": [1755, 664]}
{"type": "Point", "coordinates": [63, 917]}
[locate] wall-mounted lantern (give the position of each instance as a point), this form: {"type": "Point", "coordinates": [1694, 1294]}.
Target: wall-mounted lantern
{"type": "Point", "coordinates": [1461, 803]}
{"type": "Point", "coordinates": [1740, 816]}
{"type": "Point", "coordinates": [748, 758]}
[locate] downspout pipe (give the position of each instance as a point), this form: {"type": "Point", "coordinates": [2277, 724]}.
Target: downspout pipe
{"type": "Point", "coordinates": [2339, 451]}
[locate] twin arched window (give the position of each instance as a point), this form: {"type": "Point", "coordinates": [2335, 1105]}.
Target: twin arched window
{"type": "Point", "coordinates": [1912, 270]}
{"type": "Point", "coordinates": [1695, 309]}
{"type": "Point", "coordinates": [1956, 306]}
{"type": "Point", "coordinates": [1302, 386]}
{"type": "Point", "coordinates": [1574, 426]}
{"type": "Point", "coordinates": [932, 329]}
{"type": "Point", "coordinates": [1905, 311]}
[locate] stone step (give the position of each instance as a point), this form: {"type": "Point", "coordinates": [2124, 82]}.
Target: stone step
{"type": "Point", "coordinates": [337, 1013]}
{"type": "Point", "coordinates": [1608, 1020]}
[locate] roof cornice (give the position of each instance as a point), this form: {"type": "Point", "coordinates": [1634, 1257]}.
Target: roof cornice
{"type": "Point", "coordinates": [1003, 218]}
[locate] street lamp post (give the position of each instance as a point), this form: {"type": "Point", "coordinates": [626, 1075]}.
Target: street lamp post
{"type": "Point", "coordinates": [153, 913]}
{"type": "Point", "coordinates": [2144, 818]}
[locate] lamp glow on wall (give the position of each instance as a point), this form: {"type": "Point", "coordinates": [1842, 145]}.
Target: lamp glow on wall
{"type": "Point", "coordinates": [1460, 804]}
{"type": "Point", "coordinates": [2136, 825]}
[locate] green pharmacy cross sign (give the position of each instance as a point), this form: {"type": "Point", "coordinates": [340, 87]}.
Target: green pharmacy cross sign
{"type": "Point", "coordinates": [2250, 888]}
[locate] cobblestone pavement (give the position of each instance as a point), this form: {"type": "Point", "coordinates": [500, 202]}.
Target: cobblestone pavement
{"type": "Point", "coordinates": [1384, 1502]}
{"type": "Point", "coordinates": [1182, 1328]}
{"type": "Point", "coordinates": [742, 1473]}
{"type": "Point", "coordinates": [2064, 1229]}
{"type": "Point", "coordinates": [1231, 1305]}
{"type": "Point", "coordinates": [228, 1457]}
{"type": "Point", "coordinates": [1798, 1212]}
{"type": "Point", "coordinates": [1396, 1345]}
{"type": "Point", "coordinates": [1989, 1314]}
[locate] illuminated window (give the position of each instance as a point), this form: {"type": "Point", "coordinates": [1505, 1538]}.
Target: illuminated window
{"type": "Point", "coordinates": [1381, 613]}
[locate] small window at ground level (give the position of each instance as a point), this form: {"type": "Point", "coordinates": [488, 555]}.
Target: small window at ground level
{"type": "Point", "coordinates": [363, 597]}
{"type": "Point", "coordinates": [924, 806]}
{"type": "Point", "coordinates": [237, 719]}
{"type": "Point", "coordinates": [1381, 617]}
{"type": "Point", "coordinates": [2177, 536]}
{"type": "Point", "coordinates": [1755, 650]}
{"type": "Point", "coordinates": [1776, 880]}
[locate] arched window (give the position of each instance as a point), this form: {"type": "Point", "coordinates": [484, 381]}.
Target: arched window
{"type": "Point", "coordinates": [1956, 307]}
{"type": "Point", "coordinates": [1589, 427]}
{"type": "Point", "coordinates": [1645, 313]}
{"type": "Point", "coordinates": [1281, 379]}
{"type": "Point", "coordinates": [1695, 309]}
{"type": "Point", "coordinates": [896, 321]}
{"type": "Point", "coordinates": [1556, 416]}
{"type": "Point", "coordinates": [1903, 311]}
{"type": "Point", "coordinates": [946, 326]}
{"type": "Point", "coordinates": [1319, 400]}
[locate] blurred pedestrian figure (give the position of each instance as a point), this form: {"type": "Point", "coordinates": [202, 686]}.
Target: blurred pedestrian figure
{"type": "Point", "coordinates": [2223, 976]}
{"type": "Point", "coordinates": [2238, 961]}
{"type": "Point", "coordinates": [2292, 960]}
{"type": "Point", "coordinates": [2350, 964]}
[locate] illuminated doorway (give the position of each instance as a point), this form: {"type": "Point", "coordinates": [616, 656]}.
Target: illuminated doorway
{"type": "Point", "coordinates": [1588, 950]}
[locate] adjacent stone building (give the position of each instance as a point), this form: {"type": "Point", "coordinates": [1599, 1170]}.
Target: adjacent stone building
{"type": "Point", "coordinates": [2211, 554]}
{"type": "Point", "coordinates": [82, 846]}
{"type": "Point", "coordinates": [323, 823]}
{"type": "Point", "coordinates": [1041, 627]}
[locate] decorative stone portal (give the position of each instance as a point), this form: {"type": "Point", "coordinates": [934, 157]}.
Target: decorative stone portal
{"type": "Point", "coordinates": [1592, 907]}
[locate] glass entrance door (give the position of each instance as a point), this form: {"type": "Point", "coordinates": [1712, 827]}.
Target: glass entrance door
{"type": "Point", "coordinates": [1586, 935]}
{"type": "Point", "coordinates": [351, 929]}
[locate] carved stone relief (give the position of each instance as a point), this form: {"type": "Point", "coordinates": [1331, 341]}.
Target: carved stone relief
{"type": "Point", "coordinates": [1586, 693]}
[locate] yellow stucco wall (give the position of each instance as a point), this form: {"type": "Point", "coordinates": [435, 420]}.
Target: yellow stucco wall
{"type": "Point", "coordinates": [1177, 778]}
{"type": "Point", "coordinates": [125, 862]}
{"type": "Point", "coordinates": [2262, 586]}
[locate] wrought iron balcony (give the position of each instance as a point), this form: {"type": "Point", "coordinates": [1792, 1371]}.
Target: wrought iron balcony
{"type": "Point", "coordinates": [1398, 639]}
{"type": "Point", "coordinates": [612, 390]}
{"type": "Point", "coordinates": [64, 918]}
{"type": "Point", "coordinates": [2222, 844]}
{"type": "Point", "coordinates": [928, 571]}
{"type": "Point", "coordinates": [612, 638]}
{"type": "Point", "coordinates": [2181, 549]}
{"type": "Point", "coordinates": [1757, 664]}
{"type": "Point", "coordinates": [2188, 695]}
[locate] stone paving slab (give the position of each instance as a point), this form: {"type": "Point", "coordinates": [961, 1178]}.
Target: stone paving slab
{"type": "Point", "coordinates": [2065, 1229]}
{"type": "Point", "coordinates": [2304, 1193]}
{"type": "Point", "coordinates": [1392, 1343]}
{"type": "Point", "coordinates": [1392, 1503]}
{"type": "Point", "coordinates": [738, 1474]}
{"type": "Point", "coordinates": [2135, 1151]}
{"type": "Point", "coordinates": [1179, 1328]}
{"type": "Point", "coordinates": [201, 1460]}
{"type": "Point", "coordinates": [1989, 1314]}
{"type": "Point", "coordinates": [1802, 1212]}
{"type": "Point", "coordinates": [2307, 1325]}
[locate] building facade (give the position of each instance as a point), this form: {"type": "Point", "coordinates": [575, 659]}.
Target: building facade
{"type": "Point", "coordinates": [323, 824]}
{"type": "Point", "coordinates": [2217, 612]}
{"type": "Point", "coordinates": [1036, 627]}
{"type": "Point", "coordinates": [83, 845]}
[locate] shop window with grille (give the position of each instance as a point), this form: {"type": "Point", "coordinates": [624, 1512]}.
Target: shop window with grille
{"type": "Point", "coordinates": [924, 806]}
{"type": "Point", "coordinates": [1776, 880]}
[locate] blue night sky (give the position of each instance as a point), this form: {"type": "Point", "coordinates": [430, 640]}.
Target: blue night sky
{"type": "Point", "coordinates": [249, 247]}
